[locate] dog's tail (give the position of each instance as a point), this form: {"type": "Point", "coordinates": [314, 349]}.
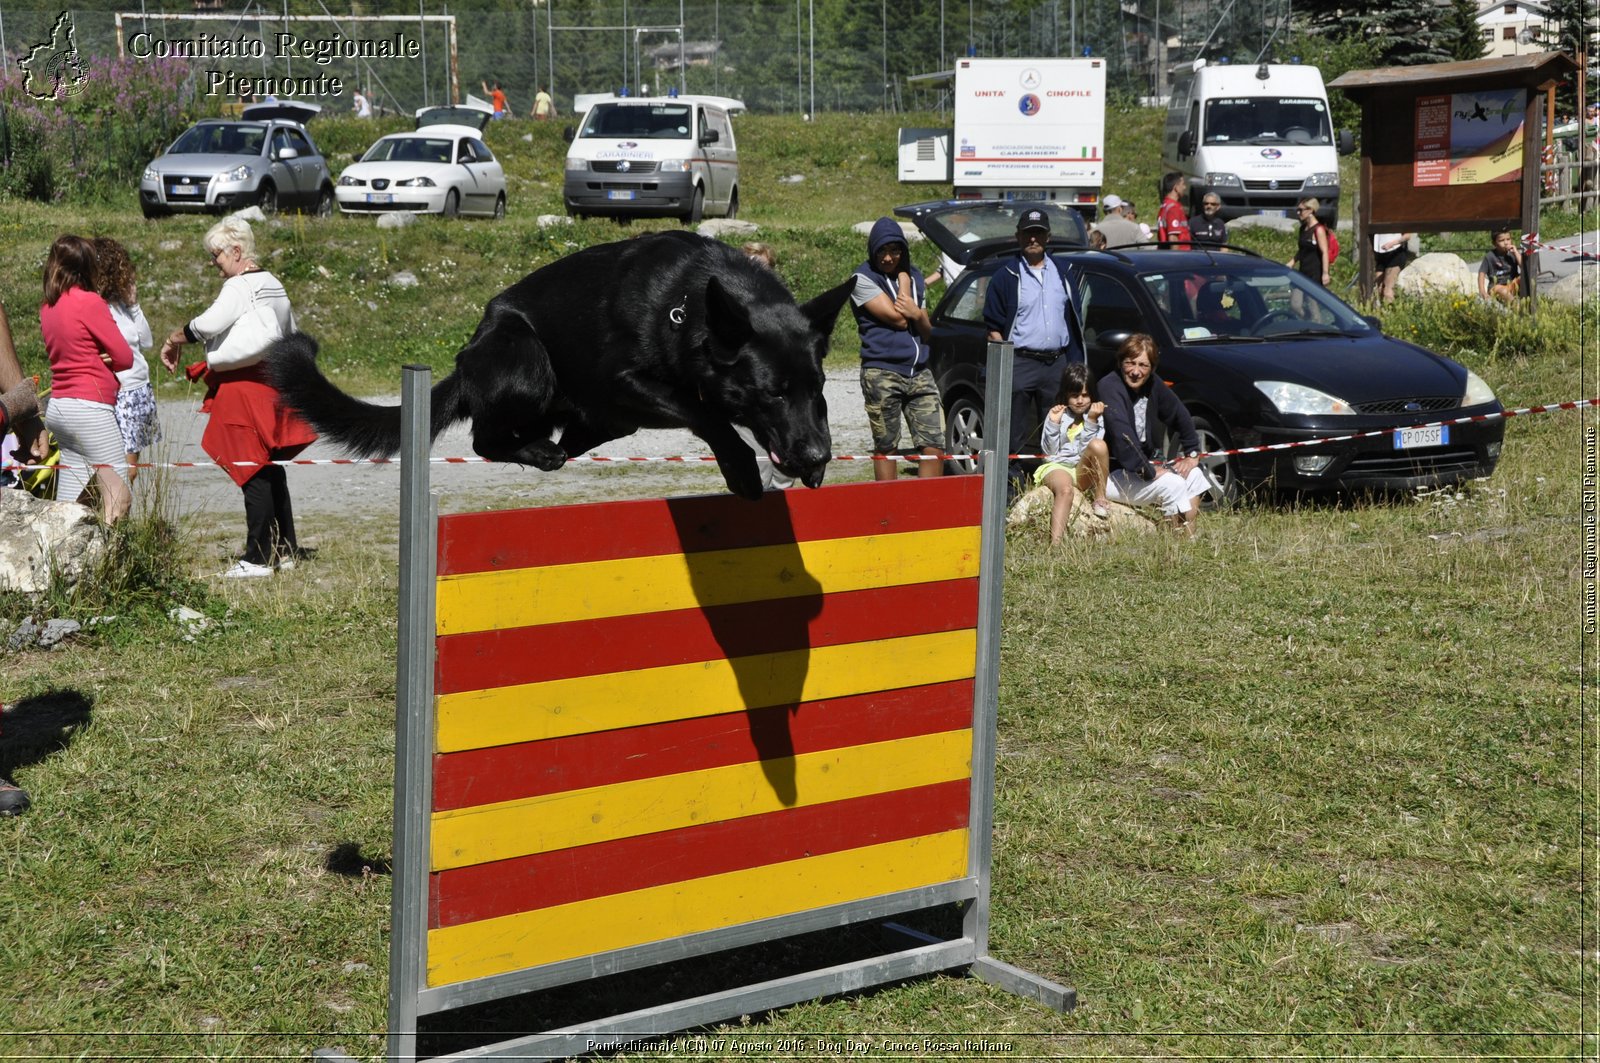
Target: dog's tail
{"type": "Point", "coordinates": [362, 428]}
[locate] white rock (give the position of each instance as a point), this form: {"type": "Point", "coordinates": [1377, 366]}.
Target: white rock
{"type": "Point", "coordinates": [715, 227]}
{"type": "Point", "coordinates": [38, 536]}
{"type": "Point", "coordinates": [249, 214]}
{"type": "Point", "coordinates": [396, 220]}
{"type": "Point", "coordinates": [547, 220]}
{"type": "Point", "coordinates": [1438, 271]}
{"type": "Point", "coordinates": [792, 179]}
{"type": "Point", "coordinates": [912, 233]}
{"type": "Point", "coordinates": [1264, 221]}
{"type": "Point", "coordinates": [527, 138]}
{"type": "Point", "coordinates": [404, 279]}
{"type": "Point", "coordinates": [1578, 288]}
{"type": "Point", "coordinates": [170, 245]}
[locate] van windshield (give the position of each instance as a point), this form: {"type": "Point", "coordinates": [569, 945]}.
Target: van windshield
{"type": "Point", "coordinates": [644, 121]}
{"type": "Point", "coordinates": [1267, 120]}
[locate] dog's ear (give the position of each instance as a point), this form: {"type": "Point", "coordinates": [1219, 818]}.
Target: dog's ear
{"type": "Point", "coordinates": [823, 311]}
{"type": "Point", "coordinates": [727, 319]}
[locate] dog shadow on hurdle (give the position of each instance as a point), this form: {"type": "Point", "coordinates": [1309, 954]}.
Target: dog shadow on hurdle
{"type": "Point", "coordinates": [766, 642]}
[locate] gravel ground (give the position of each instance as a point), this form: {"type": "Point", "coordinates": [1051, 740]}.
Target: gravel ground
{"type": "Point", "coordinates": [370, 492]}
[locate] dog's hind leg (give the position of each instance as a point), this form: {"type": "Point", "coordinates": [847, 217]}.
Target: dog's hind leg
{"type": "Point", "coordinates": [508, 386]}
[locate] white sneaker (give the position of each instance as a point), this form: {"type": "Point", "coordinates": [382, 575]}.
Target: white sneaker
{"type": "Point", "coordinates": [247, 570]}
{"type": "Point", "coordinates": [285, 564]}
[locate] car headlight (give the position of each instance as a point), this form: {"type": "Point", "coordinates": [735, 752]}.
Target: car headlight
{"type": "Point", "coordinates": [1478, 392]}
{"type": "Point", "coordinates": [415, 182]}
{"type": "Point", "coordinates": [151, 175]}
{"type": "Point", "coordinates": [346, 181]}
{"type": "Point", "coordinates": [1324, 180]}
{"type": "Point", "coordinates": [577, 165]}
{"type": "Point", "coordinates": [1297, 398]}
{"type": "Point", "coordinates": [239, 173]}
{"type": "Point", "coordinates": [675, 166]}
{"type": "Point", "coordinates": [1223, 180]}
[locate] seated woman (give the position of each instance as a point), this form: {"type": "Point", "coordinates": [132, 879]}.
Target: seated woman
{"type": "Point", "coordinates": [1136, 401]}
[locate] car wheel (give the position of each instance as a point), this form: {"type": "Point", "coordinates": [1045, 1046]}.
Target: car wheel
{"type": "Point", "coordinates": [325, 203]}
{"type": "Point", "coordinates": [963, 434]}
{"type": "Point", "coordinates": [500, 207]}
{"type": "Point", "coordinates": [267, 198]}
{"type": "Point", "coordinates": [733, 204]}
{"type": "Point", "coordinates": [1226, 471]}
{"type": "Point", "coordinates": [697, 207]}
{"type": "Point", "coordinates": [452, 204]}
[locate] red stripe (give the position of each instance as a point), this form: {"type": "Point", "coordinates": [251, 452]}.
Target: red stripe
{"type": "Point", "coordinates": [481, 660]}
{"type": "Point", "coordinates": [561, 535]}
{"type": "Point", "coordinates": [544, 880]}
{"type": "Point", "coordinates": [554, 765]}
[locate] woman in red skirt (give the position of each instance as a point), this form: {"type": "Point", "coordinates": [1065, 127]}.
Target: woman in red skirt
{"type": "Point", "coordinates": [248, 422]}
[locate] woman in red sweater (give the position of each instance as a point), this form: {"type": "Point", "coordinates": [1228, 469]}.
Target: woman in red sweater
{"type": "Point", "coordinates": [86, 352]}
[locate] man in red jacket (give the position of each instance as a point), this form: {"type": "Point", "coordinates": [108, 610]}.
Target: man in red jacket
{"type": "Point", "coordinates": [1173, 221]}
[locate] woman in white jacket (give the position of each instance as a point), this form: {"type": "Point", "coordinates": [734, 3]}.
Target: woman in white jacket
{"type": "Point", "coordinates": [136, 399]}
{"type": "Point", "coordinates": [250, 428]}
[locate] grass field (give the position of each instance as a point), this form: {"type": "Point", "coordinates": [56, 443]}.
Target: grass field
{"type": "Point", "coordinates": [1321, 784]}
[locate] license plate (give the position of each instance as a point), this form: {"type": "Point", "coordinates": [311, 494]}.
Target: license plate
{"type": "Point", "coordinates": [374, 197]}
{"type": "Point", "coordinates": [1025, 197]}
{"type": "Point", "coordinates": [1433, 436]}
{"type": "Point", "coordinates": [614, 194]}
{"type": "Point", "coordinates": [184, 190]}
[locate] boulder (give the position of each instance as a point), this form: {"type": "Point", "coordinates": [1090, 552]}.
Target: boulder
{"type": "Point", "coordinates": [251, 213]}
{"type": "Point", "coordinates": [545, 221]}
{"type": "Point", "coordinates": [404, 279]}
{"type": "Point", "coordinates": [39, 538]}
{"type": "Point", "coordinates": [913, 234]}
{"type": "Point", "coordinates": [1577, 288]}
{"type": "Point", "coordinates": [715, 227]}
{"type": "Point", "coordinates": [1438, 271]}
{"type": "Point", "coordinates": [396, 220]}
{"type": "Point", "coordinates": [1030, 517]}
{"type": "Point", "coordinates": [1264, 221]}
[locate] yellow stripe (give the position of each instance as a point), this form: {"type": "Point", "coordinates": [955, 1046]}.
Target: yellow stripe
{"type": "Point", "coordinates": [602, 924]}
{"type": "Point", "coordinates": [476, 719]}
{"type": "Point", "coordinates": [478, 835]}
{"type": "Point", "coordinates": [488, 601]}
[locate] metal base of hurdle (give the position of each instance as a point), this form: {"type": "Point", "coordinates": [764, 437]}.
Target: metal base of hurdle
{"type": "Point", "coordinates": [410, 997]}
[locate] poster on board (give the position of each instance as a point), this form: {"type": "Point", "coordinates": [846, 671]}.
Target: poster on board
{"type": "Point", "coordinates": [1469, 138]}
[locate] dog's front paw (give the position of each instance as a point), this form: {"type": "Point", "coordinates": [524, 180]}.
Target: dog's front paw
{"type": "Point", "coordinates": [743, 478]}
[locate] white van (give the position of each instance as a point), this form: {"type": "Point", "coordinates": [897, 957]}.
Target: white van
{"type": "Point", "coordinates": [1260, 137]}
{"type": "Point", "coordinates": [664, 156]}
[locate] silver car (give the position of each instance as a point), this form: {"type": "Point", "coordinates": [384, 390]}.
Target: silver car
{"type": "Point", "coordinates": [264, 157]}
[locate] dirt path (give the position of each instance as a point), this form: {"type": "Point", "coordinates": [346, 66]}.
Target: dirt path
{"type": "Point", "coordinates": [372, 492]}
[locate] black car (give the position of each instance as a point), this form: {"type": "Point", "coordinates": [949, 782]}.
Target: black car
{"type": "Point", "coordinates": [1259, 354]}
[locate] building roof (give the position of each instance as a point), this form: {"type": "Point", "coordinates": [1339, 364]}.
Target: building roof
{"type": "Point", "coordinates": [1493, 6]}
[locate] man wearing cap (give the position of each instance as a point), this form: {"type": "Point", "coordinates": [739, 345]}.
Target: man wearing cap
{"type": "Point", "coordinates": [1119, 231]}
{"type": "Point", "coordinates": [1030, 303]}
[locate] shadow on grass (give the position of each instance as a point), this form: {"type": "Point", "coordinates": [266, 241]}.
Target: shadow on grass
{"type": "Point", "coordinates": [38, 726]}
{"type": "Point", "coordinates": [346, 859]}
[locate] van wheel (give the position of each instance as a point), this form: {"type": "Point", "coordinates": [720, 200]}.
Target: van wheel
{"type": "Point", "coordinates": [733, 204]}
{"type": "Point", "coordinates": [697, 207]}
{"type": "Point", "coordinates": [963, 434]}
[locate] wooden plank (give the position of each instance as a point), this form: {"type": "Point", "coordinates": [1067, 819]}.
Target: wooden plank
{"type": "Point", "coordinates": [545, 880]}
{"type": "Point", "coordinates": [526, 769]}
{"type": "Point", "coordinates": [584, 928]}
{"type": "Point", "coordinates": [505, 715]}
{"type": "Point", "coordinates": [561, 535]}
{"type": "Point", "coordinates": [522, 597]}
{"type": "Point", "coordinates": [573, 818]}
{"type": "Point", "coordinates": [482, 659]}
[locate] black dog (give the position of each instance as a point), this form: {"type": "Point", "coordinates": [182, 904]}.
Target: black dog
{"type": "Point", "coordinates": [666, 331]}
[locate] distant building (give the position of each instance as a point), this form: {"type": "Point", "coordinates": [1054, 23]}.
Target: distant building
{"type": "Point", "coordinates": [669, 57]}
{"type": "Point", "coordinates": [1515, 27]}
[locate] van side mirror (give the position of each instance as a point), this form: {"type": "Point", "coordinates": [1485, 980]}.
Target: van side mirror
{"type": "Point", "coordinates": [1185, 144]}
{"type": "Point", "coordinates": [567, 133]}
{"type": "Point", "coordinates": [710, 136]}
{"type": "Point", "coordinates": [1347, 142]}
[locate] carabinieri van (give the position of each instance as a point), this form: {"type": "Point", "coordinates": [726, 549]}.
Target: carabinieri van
{"type": "Point", "coordinates": [663, 156]}
{"type": "Point", "coordinates": [1260, 137]}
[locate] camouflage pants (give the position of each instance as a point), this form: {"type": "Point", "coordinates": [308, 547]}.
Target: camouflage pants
{"type": "Point", "coordinates": [889, 396]}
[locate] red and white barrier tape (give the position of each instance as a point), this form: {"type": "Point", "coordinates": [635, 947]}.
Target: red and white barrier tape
{"type": "Point", "coordinates": [1531, 242]}
{"type": "Point", "coordinates": [1576, 404]}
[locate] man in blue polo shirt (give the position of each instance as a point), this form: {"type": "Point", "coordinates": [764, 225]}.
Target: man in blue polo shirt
{"type": "Point", "coordinates": [1030, 303]}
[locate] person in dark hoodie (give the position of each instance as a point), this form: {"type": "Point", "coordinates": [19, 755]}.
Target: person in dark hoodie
{"type": "Point", "coordinates": [889, 303]}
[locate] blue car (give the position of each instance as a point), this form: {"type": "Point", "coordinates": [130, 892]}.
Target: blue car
{"type": "Point", "coordinates": [1258, 353]}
